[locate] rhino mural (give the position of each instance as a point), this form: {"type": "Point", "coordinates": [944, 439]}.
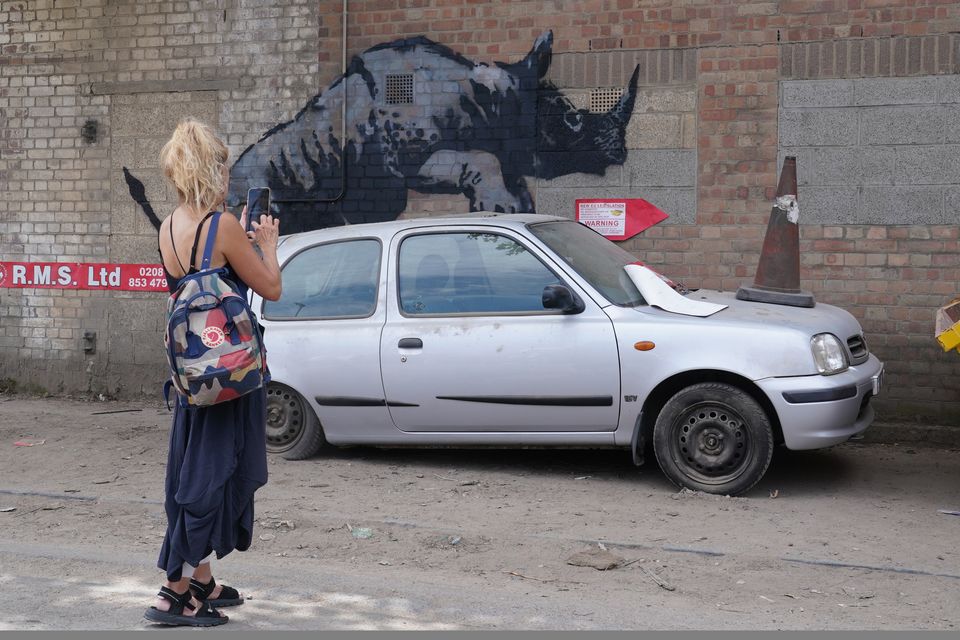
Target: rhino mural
{"type": "Point", "coordinates": [460, 128]}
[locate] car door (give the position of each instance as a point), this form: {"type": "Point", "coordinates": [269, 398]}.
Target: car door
{"type": "Point", "coordinates": [323, 334]}
{"type": "Point", "coordinates": [468, 346]}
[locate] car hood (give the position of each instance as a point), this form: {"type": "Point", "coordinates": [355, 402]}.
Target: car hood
{"type": "Point", "coordinates": [822, 318]}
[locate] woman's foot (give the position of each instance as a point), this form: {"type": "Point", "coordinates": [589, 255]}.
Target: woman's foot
{"type": "Point", "coordinates": [183, 609]}
{"type": "Point", "coordinates": [216, 595]}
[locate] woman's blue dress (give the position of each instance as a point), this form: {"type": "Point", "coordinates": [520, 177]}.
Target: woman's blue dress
{"type": "Point", "coordinates": [217, 461]}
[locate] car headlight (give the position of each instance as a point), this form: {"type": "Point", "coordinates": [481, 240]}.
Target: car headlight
{"type": "Point", "coordinates": [828, 353]}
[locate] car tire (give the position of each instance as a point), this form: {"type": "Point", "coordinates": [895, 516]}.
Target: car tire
{"type": "Point", "coordinates": [713, 437]}
{"type": "Point", "coordinates": [293, 430]}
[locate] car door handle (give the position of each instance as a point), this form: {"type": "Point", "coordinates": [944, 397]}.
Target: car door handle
{"type": "Point", "coordinates": [410, 343]}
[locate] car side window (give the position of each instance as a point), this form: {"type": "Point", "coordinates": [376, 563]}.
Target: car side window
{"type": "Point", "coordinates": [465, 273]}
{"type": "Point", "coordinates": [335, 280]}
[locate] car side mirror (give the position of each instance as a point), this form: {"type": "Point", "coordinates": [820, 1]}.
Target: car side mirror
{"type": "Point", "coordinates": [557, 296]}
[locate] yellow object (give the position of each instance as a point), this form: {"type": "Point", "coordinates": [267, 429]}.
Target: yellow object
{"type": "Point", "coordinates": [948, 325]}
{"type": "Point", "coordinates": [950, 339]}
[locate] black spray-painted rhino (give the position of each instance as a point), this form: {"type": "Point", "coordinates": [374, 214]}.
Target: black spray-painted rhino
{"type": "Point", "coordinates": [470, 129]}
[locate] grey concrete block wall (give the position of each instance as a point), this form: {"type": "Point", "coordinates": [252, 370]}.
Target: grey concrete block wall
{"type": "Point", "coordinates": [681, 204]}
{"type": "Point", "coordinates": [818, 126]}
{"type": "Point", "coordinates": [928, 164]}
{"type": "Point", "coordinates": [901, 125]}
{"type": "Point", "coordinates": [892, 91]}
{"type": "Point", "coordinates": [662, 168]}
{"type": "Point", "coordinates": [903, 204]}
{"type": "Point", "coordinates": [874, 150]}
{"type": "Point", "coordinates": [816, 93]}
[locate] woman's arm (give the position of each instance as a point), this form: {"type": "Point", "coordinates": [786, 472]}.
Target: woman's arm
{"type": "Point", "coordinates": [261, 275]}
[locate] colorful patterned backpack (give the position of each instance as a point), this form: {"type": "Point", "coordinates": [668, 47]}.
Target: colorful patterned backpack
{"type": "Point", "coordinates": [214, 346]}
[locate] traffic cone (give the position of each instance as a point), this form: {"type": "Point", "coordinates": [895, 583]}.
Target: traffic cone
{"type": "Point", "coordinates": [778, 274]}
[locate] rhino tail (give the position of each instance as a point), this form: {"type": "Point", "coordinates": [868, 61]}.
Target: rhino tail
{"type": "Point", "coordinates": [139, 194]}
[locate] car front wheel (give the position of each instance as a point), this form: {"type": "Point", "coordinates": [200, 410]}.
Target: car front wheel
{"type": "Point", "coordinates": [293, 430]}
{"type": "Point", "coordinates": [713, 437]}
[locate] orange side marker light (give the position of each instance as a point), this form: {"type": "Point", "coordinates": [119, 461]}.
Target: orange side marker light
{"type": "Point", "coordinates": [644, 345]}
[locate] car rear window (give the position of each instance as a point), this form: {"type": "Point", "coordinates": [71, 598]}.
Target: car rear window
{"type": "Point", "coordinates": [335, 280]}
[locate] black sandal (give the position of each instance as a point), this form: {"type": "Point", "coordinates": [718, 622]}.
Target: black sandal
{"type": "Point", "coordinates": [229, 597]}
{"type": "Point", "coordinates": [206, 616]}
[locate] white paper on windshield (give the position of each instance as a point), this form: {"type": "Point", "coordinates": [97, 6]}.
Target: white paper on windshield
{"type": "Point", "coordinates": [659, 294]}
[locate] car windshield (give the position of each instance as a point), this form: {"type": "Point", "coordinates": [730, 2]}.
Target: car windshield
{"type": "Point", "coordinates": [594, 257]}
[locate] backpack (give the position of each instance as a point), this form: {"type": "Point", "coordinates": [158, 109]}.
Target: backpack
{"type": "Point", "coordinates": [213, 342]}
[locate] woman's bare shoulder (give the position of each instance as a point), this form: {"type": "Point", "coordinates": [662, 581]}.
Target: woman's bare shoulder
{"type": "Point", "coordinates": [163, 231]}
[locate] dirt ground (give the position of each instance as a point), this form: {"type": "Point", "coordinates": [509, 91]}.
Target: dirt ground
{"type": "Point", "coordinates": [849, 537]}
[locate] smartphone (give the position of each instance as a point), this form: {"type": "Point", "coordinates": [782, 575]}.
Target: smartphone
{"type": "Point", "coordinates": [258, 203]}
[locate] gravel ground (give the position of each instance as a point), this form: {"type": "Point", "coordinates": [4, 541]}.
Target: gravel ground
{"type": "Point", "coordinates": [845, 538]}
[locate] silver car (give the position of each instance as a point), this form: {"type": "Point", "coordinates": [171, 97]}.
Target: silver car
{"type": "Point", "coordinates": [528, 330]}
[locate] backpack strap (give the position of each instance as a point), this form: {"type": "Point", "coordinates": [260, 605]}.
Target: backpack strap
{"type": "Point", "coordinates": [196, 241]}
{"type": "Point", "coordinates": [167, 386]}
{"type": "Point", "coordinates": [211, 238]}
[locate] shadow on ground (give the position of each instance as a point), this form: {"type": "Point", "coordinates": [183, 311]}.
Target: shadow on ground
{"type": "Point", "coordinates": [800, 472]}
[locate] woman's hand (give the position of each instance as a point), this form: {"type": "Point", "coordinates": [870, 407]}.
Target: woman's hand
{"type": "Point", "coordinates": [243, 217]}
{"type": "Point", "coordinates": [260, 272]}
{"type": "Point", "coordinates": [265, 232]}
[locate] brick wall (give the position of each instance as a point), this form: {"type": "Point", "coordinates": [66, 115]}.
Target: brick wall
{"type": "Point", "coordinates": [134, 68]}
{"type": "Point", "coordinates": [725, 90]}
{"type": "Point", "coordinates": [873, 123]}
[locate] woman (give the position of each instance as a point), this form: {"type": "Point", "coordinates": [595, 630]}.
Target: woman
{"type": "Point", "coordinates": [217, 457]}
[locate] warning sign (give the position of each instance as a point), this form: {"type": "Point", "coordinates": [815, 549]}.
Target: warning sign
{"type": "Point", "coordinates": [618, 219]}
{"type": "Point", "coordinates": [609, 218]}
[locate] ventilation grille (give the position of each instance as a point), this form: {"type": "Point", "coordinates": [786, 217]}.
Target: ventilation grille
{"type": "Point", "coordinates": [602, 100]}
{"type": "Point", "coordinates": [858, 348]}
{"type": "Point", "coordinates": [400, 88]}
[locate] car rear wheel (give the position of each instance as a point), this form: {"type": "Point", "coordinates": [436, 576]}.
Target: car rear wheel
{"type": "Point", "coordinates": [293, 430]}
{"type": "Point", "coordinates": [713, 437]}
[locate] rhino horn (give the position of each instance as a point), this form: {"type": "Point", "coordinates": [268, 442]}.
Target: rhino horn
{"type": "Point", "coordinates": [621, 112]}
{"type": "Point", "coordinates": [540, 55]}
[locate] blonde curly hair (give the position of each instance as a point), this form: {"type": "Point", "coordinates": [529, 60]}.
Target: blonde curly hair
{"type": "Point", "coordinates": [194, 159]}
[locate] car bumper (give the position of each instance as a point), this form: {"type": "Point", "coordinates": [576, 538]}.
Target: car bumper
{"type": "Point", "coordinates": [821, 411]}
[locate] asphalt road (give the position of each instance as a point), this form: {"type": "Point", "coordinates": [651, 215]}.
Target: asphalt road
{"type": "Point", "coordinates": [848, 538]}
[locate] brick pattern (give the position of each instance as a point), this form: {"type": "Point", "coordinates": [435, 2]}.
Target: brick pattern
{"type": "Point", "coordinates": [869, 57]}
{"type": "Point", "coordinates": [877, 153]}
{"type": "Point", "coordinates": [66, 181]}
{"type": "Point", "coordinates": [65, 62]}
{"type": "Point", "coordinates": [249, 66]}
{"type": "Point", "coordinates": [613, 68]}
{"type": "Point", "coordinates": [498, 28]}
{"type": "Point", "coordinates": [737, 134]}
{"type": "Point", "coordinates": [892, 278]}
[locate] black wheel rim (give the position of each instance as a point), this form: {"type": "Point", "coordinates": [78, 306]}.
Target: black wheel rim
{"type": "Point", "coordinates": [285, 418]}
{"type": "Point", "coordinates": [711, 444]}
